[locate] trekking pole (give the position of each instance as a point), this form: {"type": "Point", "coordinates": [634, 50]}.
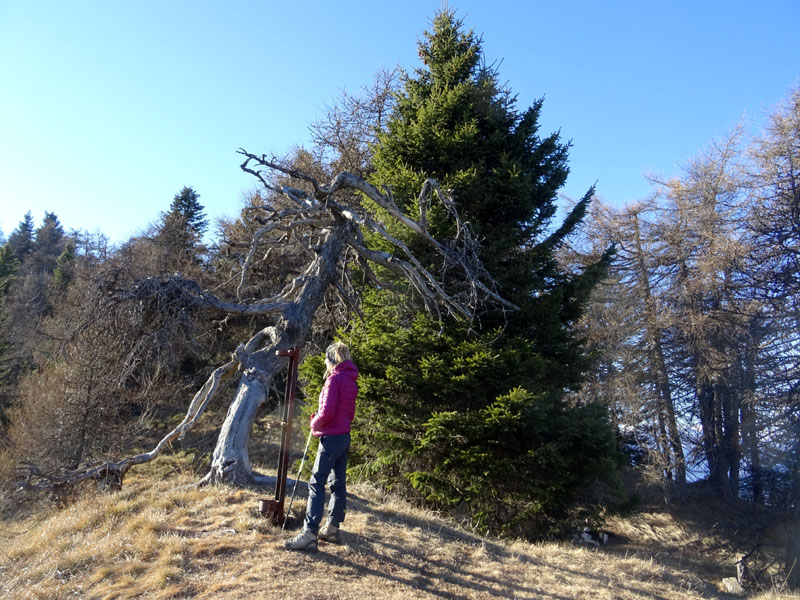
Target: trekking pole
{"type": "Point", "coordinates": [300, 470]}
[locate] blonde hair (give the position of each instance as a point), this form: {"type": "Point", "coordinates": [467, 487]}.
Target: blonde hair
{"type": "Point", "coordinates": [336, 353]}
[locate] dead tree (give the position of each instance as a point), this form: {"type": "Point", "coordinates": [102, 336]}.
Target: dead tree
{"type": "Point", "coordinates": [330, 221]}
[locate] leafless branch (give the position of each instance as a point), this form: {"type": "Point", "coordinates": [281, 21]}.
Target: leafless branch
{"type": "Point", "coordinates": [462, 254]}
{"type": "Point", "coordinates": [111, 473]}
{"type": "Point", "coordinates": [279, 225]}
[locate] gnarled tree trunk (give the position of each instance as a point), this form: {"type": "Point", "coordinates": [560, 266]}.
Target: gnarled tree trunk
{"type": "Point", "coordinates": [230, 462]}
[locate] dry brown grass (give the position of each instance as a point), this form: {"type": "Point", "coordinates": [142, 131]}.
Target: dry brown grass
{"type": "Point", "coordinates": [700, 534]}
{"type": "Point", "coordinates": [164, 538]}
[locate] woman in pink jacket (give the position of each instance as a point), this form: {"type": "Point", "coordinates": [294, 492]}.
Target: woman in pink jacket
{"type": "Point", "coordinates": [331, 424]}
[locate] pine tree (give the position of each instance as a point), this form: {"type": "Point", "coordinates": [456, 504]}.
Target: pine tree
{"type": "Point", "coordinates": [186, 205]}
{"type": "Point", "coordinates": [9, 264]}
{"type": "Point", "coordinates": [9, 369]}
{"type": "Point", "coordinates": [476, 419]}
{"type": "Point", "coordinates": [181, 231]}
{"type": "Point", "coordinates": [64, 272]}
{"type": "Point", "coordinates": [21, 239]}
{"type": "Point", "coordinates": [48, 244]}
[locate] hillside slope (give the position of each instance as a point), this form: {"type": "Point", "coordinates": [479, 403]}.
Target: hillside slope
{"type": "Point", "coordinates": [161, 537]}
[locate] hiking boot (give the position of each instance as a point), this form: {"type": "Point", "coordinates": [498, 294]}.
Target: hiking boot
{"type": "Point", "coordinates": [330, 533]}
{"type": "Point", "coordinates": [303, 541]}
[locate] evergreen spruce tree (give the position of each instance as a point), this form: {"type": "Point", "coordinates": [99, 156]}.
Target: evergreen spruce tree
{"type": "Point", "coordinates": [474, 418]}
{"type": "Point", "coordinates": [49, 243]}
{"type": "Point", "coordinates": [9, 369]}
{"type": "Point", "coordinates": [186, 204]}
{"type": "Point", "coordinates": [9, 264]}
{"type": "Point", "coordinates": [27, 294]}
{"type": "Point", "coordinates": [181, 231]}
{"type": "Point", "coordinates": [64, 272]}
{"type": "Point", "coordinates": [21, 239]}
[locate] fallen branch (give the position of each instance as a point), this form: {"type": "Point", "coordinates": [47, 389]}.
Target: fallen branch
{"type": "Point", "coordinates": [110, 474]}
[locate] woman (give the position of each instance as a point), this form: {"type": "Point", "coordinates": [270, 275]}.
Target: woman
{"type": "Point", "coordinates": [331, 424]}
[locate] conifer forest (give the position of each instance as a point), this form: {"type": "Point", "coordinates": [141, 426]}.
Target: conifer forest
{"type": "Point", "coordinates": [520, 355]}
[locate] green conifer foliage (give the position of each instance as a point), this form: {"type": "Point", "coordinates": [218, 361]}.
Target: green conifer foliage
{"type": "Point", "coordinates": [49, 244]}
{"type": "Point", "coordinates": [474, 418]}
{"type": "Point", "coordinates": [186, 204]}
{"type": "Point", "coordinates": [180, 232]}
{"type": "Point", "coordinates": [65, 267]}
{"type": "Point", "coordinates": [21, 239]}
{"type": "Point", "coordinates": [9, 267]}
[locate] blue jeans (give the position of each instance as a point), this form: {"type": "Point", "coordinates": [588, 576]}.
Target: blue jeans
{"type": "Point", "coordinates": [331, 467]}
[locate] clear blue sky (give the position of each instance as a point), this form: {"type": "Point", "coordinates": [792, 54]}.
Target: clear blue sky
{"type": "Point", "coordinates": [107, 109]}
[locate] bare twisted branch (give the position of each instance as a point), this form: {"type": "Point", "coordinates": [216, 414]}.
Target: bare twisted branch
{"type": "Point", "coordinates": [462, 253]}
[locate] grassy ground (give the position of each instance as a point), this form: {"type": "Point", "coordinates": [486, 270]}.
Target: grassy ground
{"type": "Point", "coordinates": [161, 537]}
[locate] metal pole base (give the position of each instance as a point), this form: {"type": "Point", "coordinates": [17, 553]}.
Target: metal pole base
{"type": "Point", "coordinates": [273, 510]}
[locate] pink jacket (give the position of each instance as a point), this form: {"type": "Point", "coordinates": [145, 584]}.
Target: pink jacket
{"type": "Point", "coordinates": [337, 401]}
